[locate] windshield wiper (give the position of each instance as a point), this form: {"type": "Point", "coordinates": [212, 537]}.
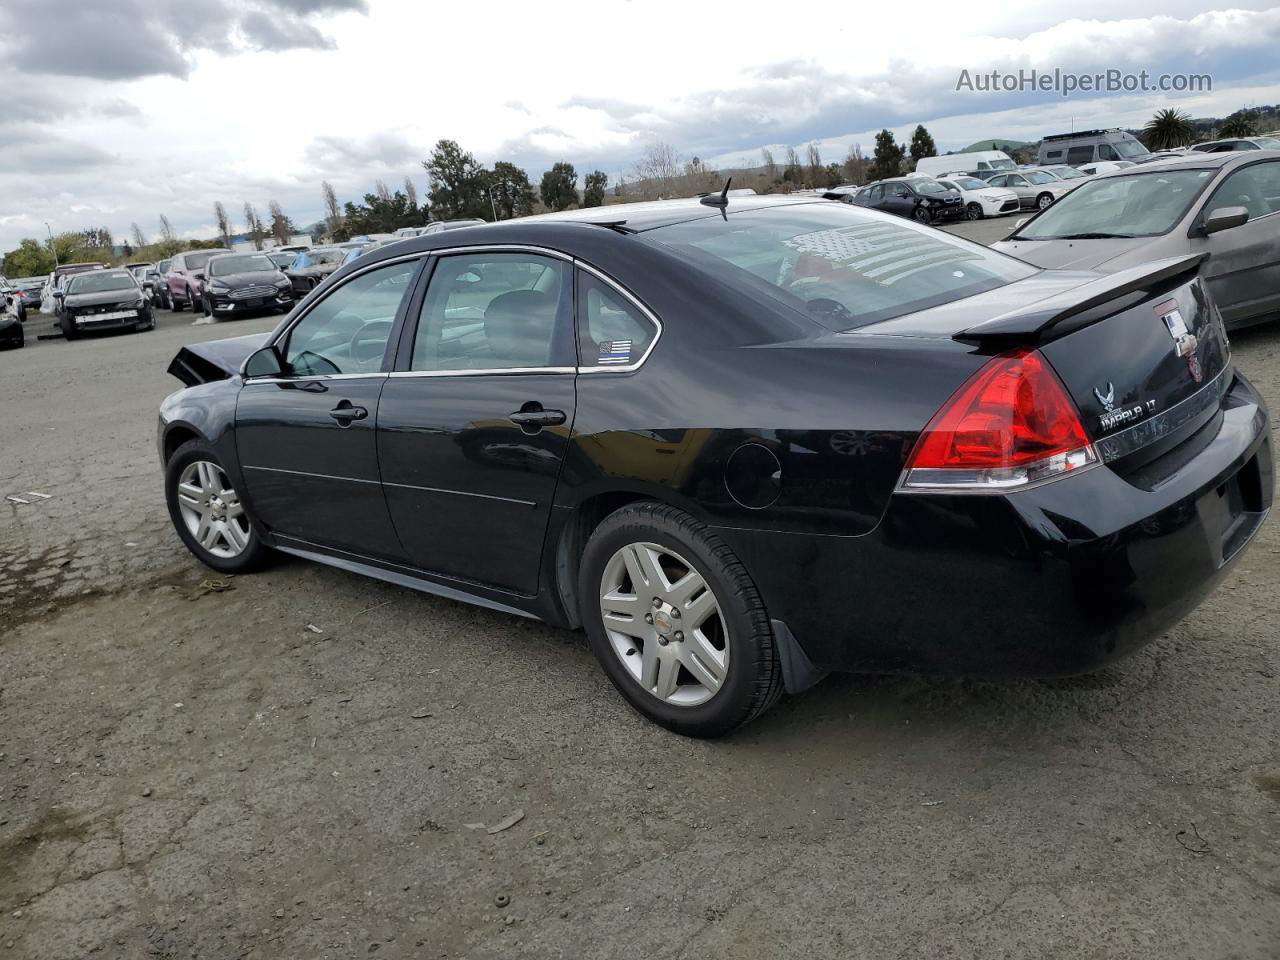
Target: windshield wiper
{"type": "Point", "coordinates": [1096, 236]}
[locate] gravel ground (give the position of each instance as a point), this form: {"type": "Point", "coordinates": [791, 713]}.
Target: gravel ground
{"type": "Point", "coordinates": [296, 766]}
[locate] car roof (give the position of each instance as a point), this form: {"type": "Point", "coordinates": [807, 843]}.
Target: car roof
{"type": "Point", "coordinates": [1194, 161]}
{"type": "Point", "coordinates": [649, 215]}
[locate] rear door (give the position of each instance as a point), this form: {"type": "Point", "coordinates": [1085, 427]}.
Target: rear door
{"type": "Point", "coordinates": [306, 439]}
{"type": "Point", "coordinates": [1243, 269]}
{"type": "Point", "coordinates": [474, 422]}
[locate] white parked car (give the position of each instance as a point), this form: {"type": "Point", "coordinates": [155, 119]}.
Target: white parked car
{"type": "Point", "coordinates": [981, 199]}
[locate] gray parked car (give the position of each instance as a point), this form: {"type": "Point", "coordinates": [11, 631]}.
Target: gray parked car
{"type": "Point", "coordinates": [1225, 205]}
{"type": "Point", "coordinates": [1036, 189]}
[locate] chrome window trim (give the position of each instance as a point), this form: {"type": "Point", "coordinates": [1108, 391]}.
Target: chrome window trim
{"type": "Point", "coordinates": [290, 322]}
{"type": "Point", "coordinates": [314, 377]}
{"type": "Point", "coordinates": [486, 371]}
{"type": "Point", "coordinates": [501, 248]}
{"type": "Point", "coordinates": [635, 301]}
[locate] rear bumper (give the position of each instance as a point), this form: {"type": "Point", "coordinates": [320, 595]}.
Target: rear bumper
{"type": "Point", "coordinates": [1052, 581]}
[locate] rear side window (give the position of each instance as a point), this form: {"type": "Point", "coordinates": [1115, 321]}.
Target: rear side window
{"type": "Point", "coordinates": [1080, 155]}
{"type": "Point", "coordinates": [495, 311]}
{"type": "Point", "coordinates": [612, 331]}
{"type": "Point", "coordinates": [839, 266]}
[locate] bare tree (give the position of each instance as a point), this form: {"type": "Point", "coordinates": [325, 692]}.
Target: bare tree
{"type": "Point", "coordinates": [792, 174]}
{"type": "Point", "coordinates": [139, 241]}
{"type": "Point", "coordinates": [855, 165]}
{"type": "Point", "coordinates": [253, 225]}
{"type": "Point", "coordinates": [381, 190]}
{"type": "Point", "coordinates": [332, 214]}
{"type": "Point", "coordinates": [411, 192]}
{"type": "Point", "coordinates": [770, 167]}
{"type": "Point", "coordinates": [281, 225]}
{"type": "Point", "coordinates": [166, 229]}
{"type": "Point", "coordinates": [224, 223]}
{"type": "Point", "coordinates": [659, 168]}
{"type": "Point", "coordinates": [814, 173]}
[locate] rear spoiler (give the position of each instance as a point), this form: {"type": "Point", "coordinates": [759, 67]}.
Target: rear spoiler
{"type": "Point", "coordinates": [1084, 305]}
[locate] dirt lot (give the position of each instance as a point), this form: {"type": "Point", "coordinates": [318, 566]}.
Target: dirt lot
{"type": "Point", "coordinates": [193, 773]}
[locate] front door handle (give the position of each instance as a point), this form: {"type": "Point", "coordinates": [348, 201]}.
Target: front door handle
{"type": "Point", "coordinates": [537, 418]}
{"type": "Point", "coordinates": [345, 413]}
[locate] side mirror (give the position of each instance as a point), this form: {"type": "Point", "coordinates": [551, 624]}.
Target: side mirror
{"type": "Point", "coordinates": [59, 294]}
{"type": "Point", "coordinates": [1224, 218]}
{"type": "Point", "coordinates": [200, 276]}
{"type": "Point", "coordinates": [266, 362]}
{"type": "Point", "coordinates": [149, 284]}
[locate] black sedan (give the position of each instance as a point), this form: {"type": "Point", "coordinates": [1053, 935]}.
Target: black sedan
{"type": "Point", "coordinates": [920, 198]}
{"type": "Point", "coordinates": [741, 442]}
{"type": "Point", "coordinates": [11, 332]}
{"type": "Point", "coordinates": [237, 284]}
{"type": "Point", "coordinates": [102, 300]}
{"type": "Point", "coordinates": [312, 266]}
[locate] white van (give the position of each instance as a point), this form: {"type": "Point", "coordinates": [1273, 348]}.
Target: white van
{"type": "Point", "coordinates": [979, 163]}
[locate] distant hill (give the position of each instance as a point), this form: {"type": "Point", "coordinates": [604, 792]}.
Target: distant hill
{"type": "Point", "coordinates": [1000, 144]}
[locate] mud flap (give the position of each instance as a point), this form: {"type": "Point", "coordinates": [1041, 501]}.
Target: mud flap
{"type": "Point", "coordinates": [798, 672]}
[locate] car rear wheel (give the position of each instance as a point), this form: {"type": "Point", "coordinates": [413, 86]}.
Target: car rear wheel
{"type": "Point", "coordinates": [973, 211]}
{"type": "Point", "coordinates": [207, 511]}
{"type": "Point", "coordinates": [1044, 200]}
{"type": "Point", "coordinates": [676, 621]}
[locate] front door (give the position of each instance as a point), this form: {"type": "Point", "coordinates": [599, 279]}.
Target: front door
{"type": "Point", "coordinates": [306, 440]}
{"type": "Point", "coordinates": [474, 424]}
{"type": "Point", "coordinates": [1243, 269]}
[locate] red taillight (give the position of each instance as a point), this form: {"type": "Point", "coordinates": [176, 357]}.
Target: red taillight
{"type": "Point", "coordinates": [1011, 424]}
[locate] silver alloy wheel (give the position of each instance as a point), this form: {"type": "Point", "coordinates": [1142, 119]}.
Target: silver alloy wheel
{"type": "Point", "coordinates": [211, 509]}
{"type": "Point", "coordinates": [664, 623]}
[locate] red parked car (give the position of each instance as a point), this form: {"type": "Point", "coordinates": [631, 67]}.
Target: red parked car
{"type": "Point", "coordinates": [185, 279]}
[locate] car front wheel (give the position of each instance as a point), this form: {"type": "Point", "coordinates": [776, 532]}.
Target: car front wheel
{"type": "Point", "coordinates": [922, 215]}
{"type": "Point", "coordinates": [973, 211]}
{"type": "Point", "coordinates": [1044, 200]}
{"type": "Point", "coordinates": [207, 512]}
{"type": "Point", "coordinates": [676, 621]}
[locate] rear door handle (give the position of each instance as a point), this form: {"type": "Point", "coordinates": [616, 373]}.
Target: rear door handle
{"type": "Point", "coordinates": [538, 418]}
{"type": "Point", "coordinates": [345, 413]}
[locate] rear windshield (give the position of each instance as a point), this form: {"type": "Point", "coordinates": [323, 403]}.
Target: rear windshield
{"type": "Point", "coordinates": [840, 265]}
{"type": "Point", "coordinates": [100, 282]}
{"type": "Point", "coordinates": [1137, 205]}
{"type": "Point", "coordinates": [249, 263]}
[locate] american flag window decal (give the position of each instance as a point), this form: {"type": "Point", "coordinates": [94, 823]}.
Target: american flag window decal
{"type": "Point", "coordinates": [614, 352]}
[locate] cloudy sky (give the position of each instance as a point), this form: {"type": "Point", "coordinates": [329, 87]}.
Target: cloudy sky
{"type": "Point", "coordinates": [115, 113]}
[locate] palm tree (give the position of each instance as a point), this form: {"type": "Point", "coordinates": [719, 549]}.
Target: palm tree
{"type": "Point", "coordinates": [1237, 125]}
{"type": "Point", "coordinates": [1167, 129]}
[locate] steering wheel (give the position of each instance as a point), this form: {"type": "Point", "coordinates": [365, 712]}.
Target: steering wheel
{"type": "Point", "coordinates": [369, 344]}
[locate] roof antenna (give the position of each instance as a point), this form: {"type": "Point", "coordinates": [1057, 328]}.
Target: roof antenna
{"type": "Point", "coordinates": [720, 199]}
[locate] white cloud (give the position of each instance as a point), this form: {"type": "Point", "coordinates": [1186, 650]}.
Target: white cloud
{"type": "Point", "coordinates": [239, 100]}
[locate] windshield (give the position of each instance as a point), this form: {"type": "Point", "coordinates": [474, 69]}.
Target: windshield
{"type": "Point", "coordinates": [100, 282]}
{"type": "Point", "coordinates": [1039, 176]}
{"type": "Point", "coordinates": [1065, 172]}
{"type": "Point", "coordinates": [1002, 165]}
{"type": "Point", "coordinates": [1136, 205]}
{"type": "Point", "coordinates": [281, 259]}
{"type": "Point", "coordinates": [317, 257]}
{"type": "Point", "coordinates": [1267, 143]}
{"type": "Point", "coordinates": [970, 183]}
{"type": "Point", "coordinates": [840, 266]}
{"type": "Point", "coordinates": [929, 186]}
{"type": "Point", "coordinates": [197, 261]}
{"type": "Point", "coordinates": [249, 263]}
{"type": "Point", "coordinates": [1130, 148]}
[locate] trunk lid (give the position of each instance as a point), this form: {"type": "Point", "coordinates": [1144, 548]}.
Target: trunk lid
{"type": "Point", "coordinates": [1143, 352]}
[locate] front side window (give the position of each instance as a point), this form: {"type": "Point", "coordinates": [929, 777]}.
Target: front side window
{"type": "Point", "coordinates": [347, 331]}
{"type": "Point", "coordinates": [1255, 187]}
{"type": "Point", "coordinates": [612, 331]}
{"type": "Point", "coordinates": [495, 311]}
{"type": "Point", "coordinates": [1138, 205]}
{"type": "Point", "coordinates": [837, 266]}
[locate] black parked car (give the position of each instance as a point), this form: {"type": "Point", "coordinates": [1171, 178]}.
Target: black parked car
{"type": "Point", "coordinates": [741, 445]}
{"type": "Point", "coordinates": [102, 300]}
{"type": "Point", "coordinates": [312, 266]}
{"type": "Point", "coordinates": [921, 199]}
{"type": "Point", "coordinates": [240, 283]}
{"type": "Point", "coordinates": [27, 294]}
{"type": "Point", "coordinates": [11, 332]}
{"type": "Point", "coordinates": [159, 291]}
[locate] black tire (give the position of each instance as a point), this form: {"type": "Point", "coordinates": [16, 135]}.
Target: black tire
{"type": "Point", "coordinates": [973, 211]}
{"type": "Point", "coordinates": [1044, 201]}
{"type": "Point", "coordinates": [207, 304]}
{"type": "Point", "coordinates": [178, 305]}
{"type": "Point", "coordinates": [753, 681]}
{"type": "Point", "coordinates": [922, 215]}
{"type": "Point", "coordinates": [254, 554]}
{"type": "Point", "coordinates": [69, 330]}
